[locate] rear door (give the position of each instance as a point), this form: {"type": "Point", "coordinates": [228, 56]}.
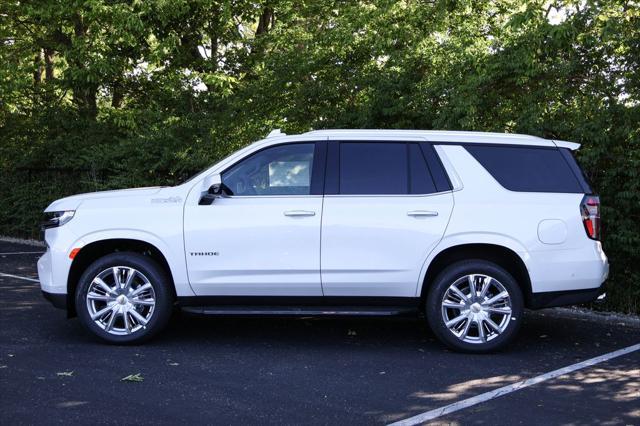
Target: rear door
{"type": "Point", "coordinates": [386, 206]}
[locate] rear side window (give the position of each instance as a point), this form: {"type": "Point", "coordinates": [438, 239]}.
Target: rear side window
{"type": "Point", "coordinates": [373, 168]}
{"type": "Point", "coordinates": [420, 179]}
{"type": "Point", "coordinates": [527, 169]}
{"type": "Point", "coordinates": [438, 173]}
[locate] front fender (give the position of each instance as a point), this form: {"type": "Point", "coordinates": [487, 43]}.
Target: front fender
{"type": "Point", "coordinates": [175, 258]}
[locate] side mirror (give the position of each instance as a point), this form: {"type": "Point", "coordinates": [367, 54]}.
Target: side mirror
{"type": "Point", "coordinates": [215, 190]}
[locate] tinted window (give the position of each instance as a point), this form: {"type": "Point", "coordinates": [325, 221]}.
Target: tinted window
{"type": "Point", "coordinates": [373, 168]}
{"type": "Point", "coordinates": [527, 169]}
{"type": "Point", "coordinates": [435, 166]}
{"type": "Point", "coordinates": [577, 170]}
{"type": "Point", "coordinates": [281, 170]}
{"type": "Point", "coordinates": [420, 181]}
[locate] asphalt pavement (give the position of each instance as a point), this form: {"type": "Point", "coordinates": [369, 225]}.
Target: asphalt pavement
{"type": "Point", "coordinates": [300, 371]}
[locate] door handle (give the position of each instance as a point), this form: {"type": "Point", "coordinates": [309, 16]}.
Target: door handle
{"type": "Point", "coordinates": [416, 213]}
{"type": "Point", "coordinates": [297, 213]}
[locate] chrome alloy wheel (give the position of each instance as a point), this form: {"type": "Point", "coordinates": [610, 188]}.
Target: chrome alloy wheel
{"type": "Point", "coordinates": [121, 300]}
{"type": "Point", "coordinates": [476, 308]}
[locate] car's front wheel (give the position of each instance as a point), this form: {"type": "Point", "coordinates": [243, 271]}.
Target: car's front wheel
{"type": "Point", "coordinates": [124, 298]}
{"type": "Point", "coordinates": [475, 306]}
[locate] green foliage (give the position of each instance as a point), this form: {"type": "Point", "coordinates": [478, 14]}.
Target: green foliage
{"type": "Point", "coordinates": [110, 94]}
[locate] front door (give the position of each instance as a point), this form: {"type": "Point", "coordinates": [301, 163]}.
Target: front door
{"type": "Point", "coordinates": [264, 237]}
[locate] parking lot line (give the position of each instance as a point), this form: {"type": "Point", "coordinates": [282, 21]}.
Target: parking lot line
{"type": "Point", "coordinates": [21, 252]}
{"type": "Point", "coordinates": [478, 399]}
{"type": "Point", "coordinates": [2, 274]}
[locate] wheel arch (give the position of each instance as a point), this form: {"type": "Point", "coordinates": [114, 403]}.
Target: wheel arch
{"type": "Point", "coordinates": [499, 254]}
{"type": "Point", "coordinates": [99, 248]}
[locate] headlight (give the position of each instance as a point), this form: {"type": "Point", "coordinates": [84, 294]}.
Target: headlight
{"type": "Point", "coordinates": [55, 219]}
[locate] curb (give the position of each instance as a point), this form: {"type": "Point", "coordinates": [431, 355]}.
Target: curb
{"type": "Point", "coordinates": [35, 243]}
{"type": "Point", "coordinates": [583, 314]}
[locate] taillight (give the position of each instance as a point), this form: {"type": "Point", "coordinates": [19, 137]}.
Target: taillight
{"type": "Point", "coordinates": [590, 210]}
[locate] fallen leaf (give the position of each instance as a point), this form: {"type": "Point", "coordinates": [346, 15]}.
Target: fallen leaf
{"type": "Point", "coordinates": [173, 364]}
{"type": "Point", "coordinates": [133, 378]}
{"type": "Point", "coordinates": [351, 333]}
{"type": "Point", "coordinates": [65, 373]}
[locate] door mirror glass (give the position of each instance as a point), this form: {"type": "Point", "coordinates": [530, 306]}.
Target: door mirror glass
{"type": "Point", "coordinates": [215, 190]}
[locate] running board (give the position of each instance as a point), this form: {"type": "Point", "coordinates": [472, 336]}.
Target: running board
{"type": "Point", "coordinates": [301, 311]}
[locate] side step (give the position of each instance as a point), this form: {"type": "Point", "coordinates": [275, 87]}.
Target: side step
{"type": "Point", "coordinates": [302, 311]}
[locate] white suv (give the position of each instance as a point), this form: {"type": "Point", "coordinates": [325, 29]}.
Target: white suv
{"type": "Point", "coordinates": [468, 228]}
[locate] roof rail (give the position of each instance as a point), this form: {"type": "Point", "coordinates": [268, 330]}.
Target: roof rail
{"type": "Point", "coordinates": [275, 132]}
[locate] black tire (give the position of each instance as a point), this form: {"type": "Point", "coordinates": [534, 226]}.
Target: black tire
{"type": "Point", "coordinates": [156, 277]}
{"type": "Point", "coordinates": [436, 295]}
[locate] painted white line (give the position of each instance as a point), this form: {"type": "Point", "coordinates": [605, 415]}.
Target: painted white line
{"type": "Point", "coordinates": [2, 274]}
{"type": "Point", "coordinates": [22, 252]}
{"type": "Point", "coordinates": [470, 402]}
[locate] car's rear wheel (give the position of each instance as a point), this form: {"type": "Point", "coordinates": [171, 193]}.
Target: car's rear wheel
{"type": "Point", "coordinates": [475, 306]}
{"type": "Point", "coordinates": [124, 298]}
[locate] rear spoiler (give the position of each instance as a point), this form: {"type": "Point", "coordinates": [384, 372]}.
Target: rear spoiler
{"type": "Point", "coordinates": [564, 144]}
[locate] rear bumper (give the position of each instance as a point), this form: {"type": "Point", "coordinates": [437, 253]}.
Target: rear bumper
{"type": "Point", "coordinates": [563, 271]}
{"type": "Point", "coordinates": [59, 300]}
{"type": "Point", "coordinates": [549, 299]}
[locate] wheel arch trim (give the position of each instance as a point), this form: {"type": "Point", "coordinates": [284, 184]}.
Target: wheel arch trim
{"type": "Point", "coordinates": [174, 261]}
{"type": "Point", "coordinates": [475, 241]}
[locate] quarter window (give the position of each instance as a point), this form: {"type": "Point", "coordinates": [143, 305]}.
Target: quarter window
{"type": "Point", "coordinates": [280, 170]}
{"type": "Point", "coordinates": [527, 169]}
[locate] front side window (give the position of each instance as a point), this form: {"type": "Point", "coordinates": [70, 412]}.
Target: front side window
{"type": "Point", "coordinates": [279, 170]}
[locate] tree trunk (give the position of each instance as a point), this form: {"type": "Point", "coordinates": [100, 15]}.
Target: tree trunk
{"type": "Point", "coordinates": [85, 99]}
{"type": "Point", "coordinates": [49, 54]}
{"type": "Point", "coordinates": [265, 22]}
{"type": "Point", "coordinates": [118, 95]}
{"type": "Point", "coordinates": [84, 96]}
{"type": "Point", "coordinates": [37, 72]}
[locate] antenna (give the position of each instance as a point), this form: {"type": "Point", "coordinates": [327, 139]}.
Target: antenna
{"type": "Point", "coordinates": [276, 132]}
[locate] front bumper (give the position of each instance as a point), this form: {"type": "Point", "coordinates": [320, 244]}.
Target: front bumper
{"type": "Point", "coordinates": [55, 294]}
{"type": "Point", "coordinates": [59, 300]}
{"type": "Point", "coordinates": [54, 265]}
